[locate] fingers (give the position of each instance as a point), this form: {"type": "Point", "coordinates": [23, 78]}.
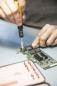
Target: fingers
{"type": "Point", "coordinates": [6, 10]}
{"type": "Point", "coordinates": [11, 5]}
{"type": "Point", "coordinates": [46, 37]}
{"type": "Point", "coordinates": [2, 15]}
{"type": "Point", "coordinates": [14, 83]}
{"type": "Point", "coordinates": [52, 38]}
{"type": "Point", "coordinates": [36, 42]}
{"type": "Point", "coordinates": [10, 10]}
{"type": "Point", "coordinates": [44, 29]}
{"type": "Point", "coordinates": [13, 9]}
{"type": "Point", "coordinates": [55, 42]}
{"type": "Point", "coordinates": [3, 8]}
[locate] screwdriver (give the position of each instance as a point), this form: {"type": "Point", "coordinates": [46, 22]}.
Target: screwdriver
{"type": "Point", "coordinates": [20, 30]}
{"type": "Point", "coordinates": [20, 26]}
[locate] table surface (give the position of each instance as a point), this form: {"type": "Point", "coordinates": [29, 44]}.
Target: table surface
{"type": "Point", "coordinates": [10, 42]}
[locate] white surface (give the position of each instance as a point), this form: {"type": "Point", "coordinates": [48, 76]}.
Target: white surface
{"type": "Point", "coordinates": [9, 42]}
{"type": "Point", "coordinates": [22, 73]}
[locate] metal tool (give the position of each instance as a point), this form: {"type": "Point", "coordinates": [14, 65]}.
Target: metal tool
{"type": "Point", "coordinates": [20, 26]}
{"type": "Point", "coordinates": [20, 29]}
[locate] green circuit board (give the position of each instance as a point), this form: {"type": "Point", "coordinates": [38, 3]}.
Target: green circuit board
{"type": "Point", "coordinates": [39, 57]}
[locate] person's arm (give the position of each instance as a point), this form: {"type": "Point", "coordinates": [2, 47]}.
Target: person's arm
{"type": "Point", "coordinates": [46, 37]}
{"type": "Point", "coordinates": [9, 11]}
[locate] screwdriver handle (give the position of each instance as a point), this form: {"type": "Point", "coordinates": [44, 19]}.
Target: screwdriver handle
{"type": "Point", "coordinates": [20, 30]}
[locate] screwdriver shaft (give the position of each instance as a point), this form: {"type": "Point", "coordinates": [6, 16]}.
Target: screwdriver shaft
{"type": "Point", "coordinates": [20, 30]}
{"type": "Point", "coordinates": [22, 45]}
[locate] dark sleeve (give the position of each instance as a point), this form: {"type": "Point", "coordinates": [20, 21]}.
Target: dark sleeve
{"type": "Point", "coordinates": [41, 12]}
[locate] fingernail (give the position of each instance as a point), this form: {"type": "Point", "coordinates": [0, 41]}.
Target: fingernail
{"type": "Point", "coordinates": [33, 45]}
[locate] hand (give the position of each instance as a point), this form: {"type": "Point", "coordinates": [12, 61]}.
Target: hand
{"type": "Point", "coordinates": [9, 10]}
{"type": "Point", "coordinates": [46, 37]}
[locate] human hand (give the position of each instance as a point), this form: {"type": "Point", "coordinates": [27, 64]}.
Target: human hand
{"type": "Point", "coordinates": [46, 37]}
{"type": "Point", "coordinates": [10, 11]}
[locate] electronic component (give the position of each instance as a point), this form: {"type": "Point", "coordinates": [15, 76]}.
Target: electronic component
{"type": "Point", "coordinates": [39, 57]}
